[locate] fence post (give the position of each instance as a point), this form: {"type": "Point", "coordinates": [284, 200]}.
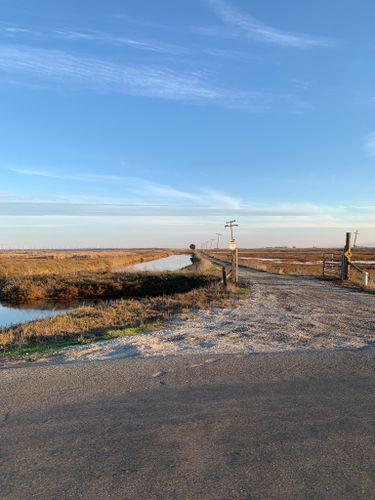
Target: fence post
{"type": "Point", "coordinates": [225, 284]}
{"type": "Point", "coordinates": [346, 257]}
{"type": "Point", "coordinates": [236, 268]}
{"type": "Point", "coordinates": [364, 279]}
{"type": "Point", "coordinates": [233, 273]}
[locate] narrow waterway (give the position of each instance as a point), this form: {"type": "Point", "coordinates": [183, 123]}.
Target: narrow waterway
{"type": "Point", "coordinates": [11, 315]}
{"type": "Point", "coordinates": [171, 263]}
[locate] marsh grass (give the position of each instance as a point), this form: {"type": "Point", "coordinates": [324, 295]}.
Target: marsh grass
{"type": "Point", "coordinates": [31, 263]}
{"type": "Point", "coordinates": [117, 318]}
{"type": "Point", "coordinates": [65, 289]}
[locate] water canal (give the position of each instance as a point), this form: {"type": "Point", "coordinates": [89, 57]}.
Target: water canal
{"type": "Point", "coordinates": [12, 315]}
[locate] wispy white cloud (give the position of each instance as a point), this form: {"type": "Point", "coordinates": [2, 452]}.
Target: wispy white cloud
{"type": "Point", "coordinates": [105, 38]}
{"type": "Point", "coordinates": [145, 198]}
{"type": "Point", "coordinates": [143, 189]}
{"type": "Point", "coordinates": [218, 206]}
{"type": "Point", "coordinates": [17, 29]}
{"type": "Point", "coordinates": [95, 36]}
{"type": "Point", "coordinates": [258, 216]}
{"type": "Point", "coordinates": [249, 26]}
{"type": "Point", "coordinates": [65, 68]}
{"type": "Point", "coordinates": [31, 66]}
{"type": "Point", "coordinates": [222, 199]}
{"type": "Point", "coordinates": [369, 144]}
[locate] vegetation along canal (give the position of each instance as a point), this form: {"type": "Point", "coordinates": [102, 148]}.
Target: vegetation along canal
{"type": "Point", "coordinates": [12, 315]}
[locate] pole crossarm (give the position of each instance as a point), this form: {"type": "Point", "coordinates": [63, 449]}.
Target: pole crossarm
{"type": "Point", "coordinates": [231, 224]}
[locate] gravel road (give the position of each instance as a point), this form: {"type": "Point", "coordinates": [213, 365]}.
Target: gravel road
{"type": "Point", "coordinates": [282, 313]}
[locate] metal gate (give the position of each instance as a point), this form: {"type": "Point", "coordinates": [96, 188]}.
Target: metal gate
{"type": "Point", "coordinates": [332, 264]}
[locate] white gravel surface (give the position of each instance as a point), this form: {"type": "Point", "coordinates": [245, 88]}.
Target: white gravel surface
{"type": "Point", "coordinates": [282, 313]}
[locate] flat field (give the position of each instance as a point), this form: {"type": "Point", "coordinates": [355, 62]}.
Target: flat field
{"type": "Point", "coordinates": [31, 263]}
{"type": "Point", "coordinates": [301, 261]}
{"type": "Point", "coordinates": [129, 301]}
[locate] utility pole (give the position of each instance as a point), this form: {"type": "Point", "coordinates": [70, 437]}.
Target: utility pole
{"type": "Point", "coordinates": [231, 224]}
{"type": "Point", "coordinates": [355, 238]}
{"type": "Point", "coordinates": [218, 240]}
{"type": "Point", "coordinates": [233, 247]}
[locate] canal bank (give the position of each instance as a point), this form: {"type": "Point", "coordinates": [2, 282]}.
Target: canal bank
{"type": "Point", "coordinates": [19, 308]}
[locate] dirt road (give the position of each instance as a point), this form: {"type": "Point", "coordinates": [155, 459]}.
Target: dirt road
{"type": "Point", "coordinates": [282, 313]}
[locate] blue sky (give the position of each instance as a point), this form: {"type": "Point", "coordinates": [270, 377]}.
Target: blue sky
{"type": "Point", "coordinates": [151, 123]}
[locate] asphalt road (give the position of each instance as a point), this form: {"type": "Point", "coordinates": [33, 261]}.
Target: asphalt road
{"type": "Point", "coordinates": [292, 425]}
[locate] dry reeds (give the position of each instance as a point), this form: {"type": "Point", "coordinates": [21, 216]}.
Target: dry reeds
{"type": "Point", "coordinates": [79, 287]}
{"type": "Point", "coordinates": [31, 263]}
{"type": "Point", "coordinates": [95, 322]}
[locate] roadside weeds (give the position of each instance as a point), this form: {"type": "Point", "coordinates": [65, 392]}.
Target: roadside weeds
{"type": "Point", "coordinates": [120, 318]}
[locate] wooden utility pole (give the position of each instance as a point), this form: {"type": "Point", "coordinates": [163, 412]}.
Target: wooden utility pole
{"type": "Point", "coordinates": [233, 247]}
{"type": "Point", "coordinates": [347, 255]}
{"type": "Point", "coordinates": [231, 224]}
{"type": "Point", "coordinates": [218, 240]}
{"type": "Point", "coordinates": [355, 238]}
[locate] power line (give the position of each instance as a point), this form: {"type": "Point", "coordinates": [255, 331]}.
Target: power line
{"type": "Point", "coordinates": [231, 224]}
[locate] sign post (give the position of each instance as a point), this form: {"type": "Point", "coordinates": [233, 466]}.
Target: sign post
{"type": "Point", "coordinates": [234, 249]}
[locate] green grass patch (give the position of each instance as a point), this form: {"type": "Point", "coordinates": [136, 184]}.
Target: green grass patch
{"type": "Point", "coordinates": [37, 349]}
{"type": "Point", "coordinates": [19, 352]}
{"type": "Point", "coordinates": [129, 332]}
{"type": "Point", "coordinates": [241, 291]}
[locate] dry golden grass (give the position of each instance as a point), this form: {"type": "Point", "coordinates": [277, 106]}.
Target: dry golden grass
{"type": "Point", "coordinates": [72, 288]}
{"type": "Point", "coordinates": [31, 263]}
{"type": "Point", "coordinates": [88, 323]}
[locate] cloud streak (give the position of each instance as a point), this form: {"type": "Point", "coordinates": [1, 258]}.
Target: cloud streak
{"type": "Point", "coordinates": [143, 189]}
{"type": "Point", "coordinates": [36, 66]}
{"type": "Point", "coordinates": [17, 206]}
{"type": "Point", "coordinates": [97, 37]}
{"type": "Point", "coordinates": [59, 67]}
{"type": "Point", "coordinates": [249, 26]}
{"type": "Point", "coordinates": [120, 41]}
{"type": "Point", "coordinates": [144, 198]}
{"type": "Point", "coordinates": [66, 210]}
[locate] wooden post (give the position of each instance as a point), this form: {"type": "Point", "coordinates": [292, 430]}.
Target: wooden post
{"type": "Point", "coordinates": [236, 266]}
{"type": "Point", "coordinates": [364, 279]}
{"type": "Point", "coordinates": [234, 270]}
{"type": "Point", "coordinates": [346, 257]}
{"type": "Point", "coordinates": [225, 284]}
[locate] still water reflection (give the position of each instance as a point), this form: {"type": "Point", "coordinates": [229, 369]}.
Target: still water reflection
{"type": "Point", "coordinates": [10, 315]}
